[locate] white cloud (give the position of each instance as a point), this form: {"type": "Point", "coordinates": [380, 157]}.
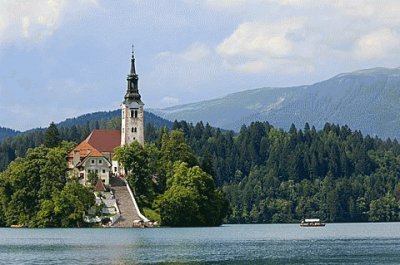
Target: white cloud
{"type": "Point", "coordinates": [260, 46]}
{"type": "Point", "coordinates": [35, 20]}
{"type": "Point", "coordinates": [255, 37]}
{"type": "Point", "coordinates": [377, 44]}
{"type": "Point", "coordinates": [310, 34]}
{"type": "Point", "coordinates": [196, 52]}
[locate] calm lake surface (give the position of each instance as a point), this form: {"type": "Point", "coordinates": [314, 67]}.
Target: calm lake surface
{"type": "Point", "coordinates": [373, 243]}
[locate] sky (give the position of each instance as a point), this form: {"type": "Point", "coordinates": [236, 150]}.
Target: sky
{"type": "Point", "coordinates": [63, 58]}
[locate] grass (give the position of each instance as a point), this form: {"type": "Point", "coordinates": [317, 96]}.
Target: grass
{"type": "Point", "coordinates": [151, 214]}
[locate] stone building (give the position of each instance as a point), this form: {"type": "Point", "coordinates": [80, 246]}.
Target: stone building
{"type": "Point", "coordinates": [95, 153]}
{"type": "Point", "coordinates": [132, 128]}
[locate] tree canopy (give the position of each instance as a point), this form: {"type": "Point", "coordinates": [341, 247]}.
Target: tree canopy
{"type": "Point", "coordinates": [191, 199]}
{"type": "Point", "coordinates": [34, 191]}
{"type": "Point", "coordinates": [52, 136]}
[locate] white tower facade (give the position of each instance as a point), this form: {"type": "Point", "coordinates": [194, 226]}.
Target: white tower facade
{"type": "Point", "coordinates": [132, 126]}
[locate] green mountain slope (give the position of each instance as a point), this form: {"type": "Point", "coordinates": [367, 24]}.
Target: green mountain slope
{"type": "Point", "coordinates": [367, 100]}
{"type": "Point", "coordinates": [6, 132]}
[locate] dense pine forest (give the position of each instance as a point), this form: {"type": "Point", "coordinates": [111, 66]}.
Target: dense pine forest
{"type": "Point", "coordinates": [270, 175]}
{"type": "Point", "coordinates": [6, 132]}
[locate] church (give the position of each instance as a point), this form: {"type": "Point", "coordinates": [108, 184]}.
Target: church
{"type": "Point", "coordinates": [95, 153]}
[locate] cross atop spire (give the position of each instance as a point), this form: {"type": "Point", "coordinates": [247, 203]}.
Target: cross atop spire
{"type": "Point", "coordinates": [133, 69]}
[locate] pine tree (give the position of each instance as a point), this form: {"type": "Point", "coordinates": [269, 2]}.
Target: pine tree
{"type": "Point", "coordinates": [52, 136]}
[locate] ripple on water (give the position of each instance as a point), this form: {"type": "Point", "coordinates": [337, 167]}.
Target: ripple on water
{"type": "Point", "coordinates": [233, 244]}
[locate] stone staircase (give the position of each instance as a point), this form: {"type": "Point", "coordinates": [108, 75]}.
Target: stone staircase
{"type": "Point", "coordinates": [127, 209]}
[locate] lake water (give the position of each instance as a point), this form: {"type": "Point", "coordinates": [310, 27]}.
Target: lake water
{"type": "Point", "coordinates": [372, 243]}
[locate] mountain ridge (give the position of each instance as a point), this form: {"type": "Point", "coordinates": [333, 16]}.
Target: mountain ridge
{"type": "Point", "coordinates": [366, 100]}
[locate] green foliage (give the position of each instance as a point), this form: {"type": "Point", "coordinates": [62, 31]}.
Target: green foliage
{"type": "Point", "coordinates": [72, 203]}
{"type": "Point", "coordinates": [174, 148]}
{"type": "Point", "coordinates": [151, 214]}
{"type": "Point", "coordinates": [270, 175]}
{"type": "Point", "coordinates": [191, 199]}
{"type": "Point", "coordinates": [267, 174]}
{"type": "Point", "coordinates": [135, 160]}
{"type": "Point", "coordinates": [187, 195]}
{"type": "Point", "coordinates": [384, 209]}
{"type": "Point", "coordinates": [52, 136]}
{"type": "Point", "coordinates": [93, 178]}
{"type": "Point", "coordinates": [32, 189]}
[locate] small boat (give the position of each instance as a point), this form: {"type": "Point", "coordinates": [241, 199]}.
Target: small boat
{"type": "Point", "coordinates": [312, 223]}
{"type": "Point", "coordinates": [17, 226]}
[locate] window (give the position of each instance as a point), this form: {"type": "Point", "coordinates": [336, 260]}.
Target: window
{"type": "Point", "coordinates": [134, 138]}
{"type": "Point", "coordinates": [132, 113]}
{"type": "Point", "coordinates": [104, 171]}
{"type": "Point", "coordinates": [115, 169]}
{"type": "Point", "coordinates": [92, 162]}
{"type": "Point", "coordinates": [100, 161]}
{"type": "Point", "coordinates": [134, 129]}
{"type": "Point", "coordinates": [97, 171]}
{"type": "Point", "coordinates": [136, 113]}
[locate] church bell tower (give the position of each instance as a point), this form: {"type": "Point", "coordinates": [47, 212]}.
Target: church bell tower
{"type": "Point", "coordinates": [132, 126]}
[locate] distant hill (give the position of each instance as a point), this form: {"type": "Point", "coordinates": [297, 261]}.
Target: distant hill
{"type": "Point", "coordinates": [14, 144]}
{"type": "Point", "coordinates": [366, 100]}
{"type": "Point", "coordinates": [108, 115]}
{"type": "Point", "coordinates": [99, 117]}
{"type": "Point", "coordinates": [6, 132]}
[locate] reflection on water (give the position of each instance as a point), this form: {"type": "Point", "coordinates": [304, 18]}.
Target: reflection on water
{"type": "Point", "coordinates": [230, 244]}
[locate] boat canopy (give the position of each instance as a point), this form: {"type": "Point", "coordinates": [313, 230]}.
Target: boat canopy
{"type": "Point", "coordinates": [315, 220]}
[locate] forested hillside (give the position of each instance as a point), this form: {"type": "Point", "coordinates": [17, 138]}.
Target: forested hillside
{"type": "Point", "coordinates": [6, 132]}
{"type": "Point", "coordinates": [270, 175]}
{"type": "Point", "coordinates": [74, 130]}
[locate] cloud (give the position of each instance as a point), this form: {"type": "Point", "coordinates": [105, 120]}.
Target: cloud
{"type": "Point", "coordinates": [377, 44]}
{"type": "Point", "coordinates": [35, 20]}
{"type": "Point", "coordinates": [255, 37]}
{"type": "Point", "coordinates": [308, 34]}
{"type": "Point", "coordinates": [196, 52]}
{"type": "Point", "coordinates": [260, 46]}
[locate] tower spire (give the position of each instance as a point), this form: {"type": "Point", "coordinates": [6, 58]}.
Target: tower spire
{"type": "Point", "coordinates": [132, 123]}
{"type": "Point", "coordinates": [133, 69]}
{"type": "Point", "coordinates": [132, 93]}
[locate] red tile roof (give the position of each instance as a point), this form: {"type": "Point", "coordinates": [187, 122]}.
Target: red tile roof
{"type": "Point", "coordinates": [104, 140]}
{"type": "Point", "coordinates": [97, 142]}
{"type": "Point", "coordinates": [85, 149]}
